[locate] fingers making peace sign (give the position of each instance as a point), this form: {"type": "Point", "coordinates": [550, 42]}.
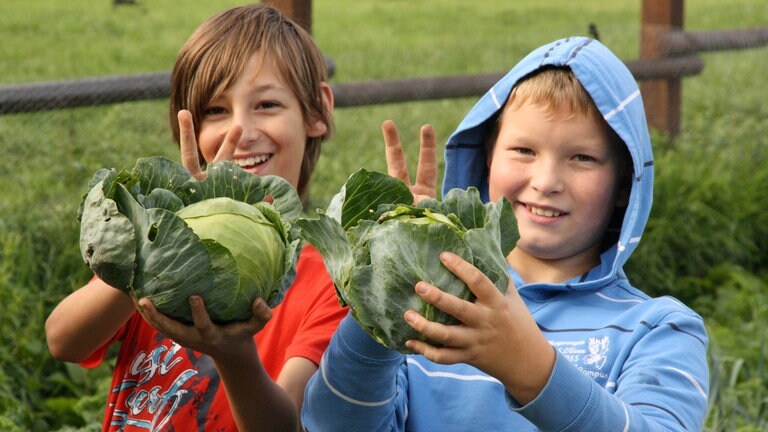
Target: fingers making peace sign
{"type": "Point", "coordinates": [189, 149]}
{"type": "Point", "coordinates": [426, 171]}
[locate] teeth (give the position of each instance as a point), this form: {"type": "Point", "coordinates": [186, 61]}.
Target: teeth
{"type": "Point", "coordinates": [543, 212]}
{"type": "Point", "coordinates": [243, 162]}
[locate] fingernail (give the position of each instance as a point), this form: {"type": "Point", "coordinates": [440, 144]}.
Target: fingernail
{"type": "Point", "coordinates": [262, 309]}
{"type": "Point", "coordinates": [421, 288]}
{"type": "Point", "coordinates": [410, 316]}
{"type": "Point", "coordinates": [194, 301]}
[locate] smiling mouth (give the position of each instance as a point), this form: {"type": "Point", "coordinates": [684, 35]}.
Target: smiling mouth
{"type": "Point", "coordinates": [544, 212]}
{"type": "Point", "coordinates": [252, 161]}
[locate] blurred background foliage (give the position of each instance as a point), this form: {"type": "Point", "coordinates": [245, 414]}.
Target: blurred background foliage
{"type": "Point", "coordinates": [706, 242]}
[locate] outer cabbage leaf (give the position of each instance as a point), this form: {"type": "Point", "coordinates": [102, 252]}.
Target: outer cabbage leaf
{"type": "Point", "coordinates": [377, 246]}
{"type": "Point", "coordinates": [401, 254]}
{"type": "Point", "coordinates": [106, 239]}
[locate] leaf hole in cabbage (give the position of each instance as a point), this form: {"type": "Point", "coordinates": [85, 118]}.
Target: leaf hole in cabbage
{"type": "Point", "coordinates": [152, 233]}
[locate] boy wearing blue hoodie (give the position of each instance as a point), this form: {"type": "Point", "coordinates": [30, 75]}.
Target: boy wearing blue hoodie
{"type": "Point", "coordinates": [573, 345]}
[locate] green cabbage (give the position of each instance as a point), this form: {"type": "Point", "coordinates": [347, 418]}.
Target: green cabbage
{"type": "Point", "coordinates": [158, 232]}
{"type": "Point", "coordinates": [376, 246]}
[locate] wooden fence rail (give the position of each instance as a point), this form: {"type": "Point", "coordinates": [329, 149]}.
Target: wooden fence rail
{"type": "Point", "coordinates": [676, 43]}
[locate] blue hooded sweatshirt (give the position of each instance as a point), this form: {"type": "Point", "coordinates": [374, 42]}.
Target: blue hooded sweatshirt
{"type": "Point", "coordinates": [624, 361]}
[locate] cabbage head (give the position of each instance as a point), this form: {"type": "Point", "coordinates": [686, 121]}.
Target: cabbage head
{"type": "Point", "coordinates": [158, 232]}
{"type": "Point", "coordinates": [377, 245]}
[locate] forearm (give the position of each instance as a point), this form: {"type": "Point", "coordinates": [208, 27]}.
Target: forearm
{"type": "Point", "coordinates": [572, 401]}
{"type": "Point", "coordinates": [358, 377]}
{"type": "Point", "coordinates": [575, 402]}
{"type": "Point", "coordinates": [256, 401]}
{"type": "Point", "coordinates": [86, 320]}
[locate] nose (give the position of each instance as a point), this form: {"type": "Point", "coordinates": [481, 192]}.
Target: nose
{"type": "Point", "coordinates": [249, 128]}
{"type": "Point", "coordinates": [546, 177]}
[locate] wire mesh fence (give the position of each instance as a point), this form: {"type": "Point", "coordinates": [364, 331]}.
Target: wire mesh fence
{"type": "Point", "coordinates": [128, 88]}
{"type": "Point", "coordinates": [679, 49]}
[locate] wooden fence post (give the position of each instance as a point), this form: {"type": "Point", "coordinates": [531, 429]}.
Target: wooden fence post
{"type": "Point", "coordinates": [661, 96]}
{"type": "Point", "coordinates": [298, 10]}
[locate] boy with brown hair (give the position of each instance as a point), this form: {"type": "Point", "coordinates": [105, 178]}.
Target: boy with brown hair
{"type": "Point", "coordinates": [251, 86]}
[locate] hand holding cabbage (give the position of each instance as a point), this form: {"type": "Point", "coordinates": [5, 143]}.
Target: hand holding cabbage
{"type": "Point", "coordinates": [377, 246]}
{"type": "Point", "coordinates": [159, 233]}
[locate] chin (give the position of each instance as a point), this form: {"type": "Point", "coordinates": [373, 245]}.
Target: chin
{"type": "Point", "coordinates": [542, 251]}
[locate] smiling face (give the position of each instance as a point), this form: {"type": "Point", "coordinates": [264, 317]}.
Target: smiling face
{"type": "Point", "coordinates": [274, 130]}
{"type": "Point", "coordinates": [559, 170]}
{"type": "Point", "coordinates": [238, 54]}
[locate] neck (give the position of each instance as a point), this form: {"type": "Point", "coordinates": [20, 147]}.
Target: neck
{"type": "Point", "coordinates": [537, 270]}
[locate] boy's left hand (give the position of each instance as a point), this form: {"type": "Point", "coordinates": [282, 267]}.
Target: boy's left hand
{"type": "Point", "coordinates": [497, 334]}
{"type": "Point", "coordinates": [425, 185]}
{"type": "Point", "coordinates": [205, 336]}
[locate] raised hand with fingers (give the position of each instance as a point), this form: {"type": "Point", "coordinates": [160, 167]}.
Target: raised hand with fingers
{"type": "Point", "coordinates": [426, 171]}
{"type": "Point", "coordinates": [188, 144]}
{"type": "Point", "coordinates": [497, 334]}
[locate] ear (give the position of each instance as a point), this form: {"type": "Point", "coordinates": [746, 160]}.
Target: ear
{"type": "Point", "coordinates": [318, 127]}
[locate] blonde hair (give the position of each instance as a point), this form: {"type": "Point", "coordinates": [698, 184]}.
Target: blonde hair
{"type": "Point", "coordinates": [553, 88]}
{"type": "Point", "coordinates": [216, 54]}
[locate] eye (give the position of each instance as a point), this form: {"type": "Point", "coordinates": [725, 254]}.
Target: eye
{"type": "Point", "coordinates": [584, 158]}
{"type": "Point", "coordinates": [268, 105]}
{"type": "Point", "coordinates": [523, 151]}
{"type": "Point", "coordinates": [213, 110]}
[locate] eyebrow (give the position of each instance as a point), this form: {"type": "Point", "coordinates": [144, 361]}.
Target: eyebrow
{"type": "Point", "coordinates": [592, 144]}
{"type": "Point", "coordinates": [263, 88]}
{"type": "Point", "coordinates": [267, 87]}
{"type": "Point", "coordinates": [518, 140]}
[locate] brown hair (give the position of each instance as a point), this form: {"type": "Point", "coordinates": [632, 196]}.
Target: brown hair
{"type": "Point", "coordinates": [217, 52]}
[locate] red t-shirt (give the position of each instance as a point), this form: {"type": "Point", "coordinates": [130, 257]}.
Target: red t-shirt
{"type": "Point", "coordinates": [158, 385]}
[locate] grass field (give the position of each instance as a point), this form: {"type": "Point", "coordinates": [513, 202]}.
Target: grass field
{"type": "Point", "coordinates": [707, 241]}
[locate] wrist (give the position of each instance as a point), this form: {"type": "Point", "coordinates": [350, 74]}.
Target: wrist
{"type": "Point", "coordinates": [531, 375]}
{"type": "Point", "coordinates": [360, 342]}
{"type": "Point", "coordinates": [243, 354]}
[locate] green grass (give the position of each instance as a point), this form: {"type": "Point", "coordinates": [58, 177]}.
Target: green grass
{"type": "Point", "coordinates": [709, 208]}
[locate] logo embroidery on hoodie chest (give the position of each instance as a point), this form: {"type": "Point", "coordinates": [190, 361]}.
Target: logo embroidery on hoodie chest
{"type": "Point", "coordinates": [590, 356]}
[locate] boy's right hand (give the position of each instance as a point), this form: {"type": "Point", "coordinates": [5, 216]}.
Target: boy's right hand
{"type": "Point", "coordinates": [497, 333]}
{"type": "Point", "coordinates": [426, 170]}
{"type": "Point", "coordinates": [190, 157]}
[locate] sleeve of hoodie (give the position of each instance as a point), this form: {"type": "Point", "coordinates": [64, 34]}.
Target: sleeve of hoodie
{"type": "Point", "coordinates": [359, 386]}
{"type": "Point", "coordinates": [662, 386]}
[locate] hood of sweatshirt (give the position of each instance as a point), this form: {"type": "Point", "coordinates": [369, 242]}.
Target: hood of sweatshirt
{"type": "Point", "coordinates": [617, 96]}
